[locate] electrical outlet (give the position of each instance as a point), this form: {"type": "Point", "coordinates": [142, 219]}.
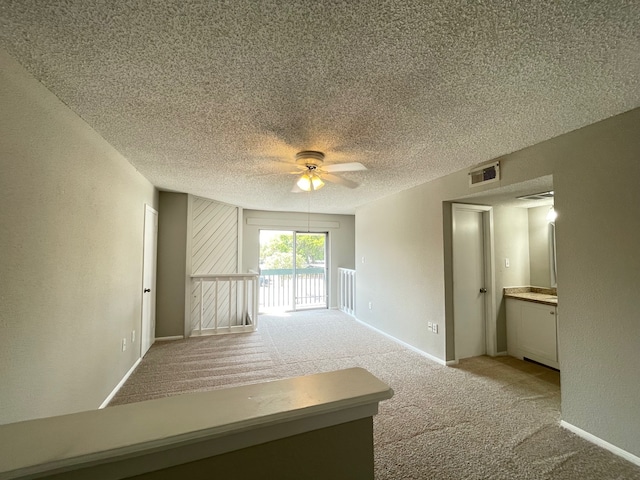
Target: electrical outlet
{"type": "Point", "coordinates": [506, 262]}
{"type": "Point", "coordinates": [124, 344]}
{"type": "Point", "coordinates": [435, 328]}
{"type": "Point", "coordinates": [429, 326]}
{"type": "Point", "coordinates": [370, 305]}
{"type": "Point", "coordinates": [133, 336]}
{"type": "Point", "coordinates": [363, 259]}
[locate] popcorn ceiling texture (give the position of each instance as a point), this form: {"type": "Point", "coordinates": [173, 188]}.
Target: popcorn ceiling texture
{"type": "Point", "coordinates": [215, 98]}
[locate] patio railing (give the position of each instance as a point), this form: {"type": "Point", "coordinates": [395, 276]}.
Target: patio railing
{"type": "Point", "coordinates": [277, 288]}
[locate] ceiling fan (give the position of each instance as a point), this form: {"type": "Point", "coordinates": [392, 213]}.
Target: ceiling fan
{"type": "Point", "coordinates": [312, 173]}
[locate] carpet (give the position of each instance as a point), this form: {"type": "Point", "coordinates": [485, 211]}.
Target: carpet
{"type": "Point", "coordinates": [487, 418]}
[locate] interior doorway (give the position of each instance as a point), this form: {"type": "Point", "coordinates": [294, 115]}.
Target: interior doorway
{"type": "Point", "coordinates": [472, 280]}
{"type": "Point", "coordinates": [293, 271]}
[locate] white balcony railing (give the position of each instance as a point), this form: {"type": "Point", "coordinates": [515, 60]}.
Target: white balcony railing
{"type": "Point", "coordinates": [347, 288]}
{"type": "Point", "coordinates": [224, 303]}
{"type": "Point", "coordinates": [288, 289]}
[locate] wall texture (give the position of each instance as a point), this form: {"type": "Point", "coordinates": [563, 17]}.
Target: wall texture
{"type": "Point", "coordinates": [71, 225]}
{"type": "Point", "coordinates": [596, 172]}
{"type": "Point", "coordinates": [341, 239]}
{"type": "Point", "coordinates": [172, 264]}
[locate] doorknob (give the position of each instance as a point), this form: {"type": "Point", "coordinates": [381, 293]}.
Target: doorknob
{"type": "Point", "coordinates": [147, 290]}
{"type": "Point", "coordinates": [483, 290]}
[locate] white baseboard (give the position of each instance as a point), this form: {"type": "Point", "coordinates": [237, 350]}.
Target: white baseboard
{"type": "Point", "coordinates": [601, 443]}
{"type": "Point", "coordinates": [410, 347]}
{"type": "Point", "coordinates": [166, 339]}
{"type": "Point", "coordinates": [501, 354]}
{"type": "Point", "coordinates": [124, 379]}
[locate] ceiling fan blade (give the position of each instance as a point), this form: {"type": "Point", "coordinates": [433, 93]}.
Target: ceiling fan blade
{"type": "Point", "coordinates": [339, 180]}
{"type": "Point", "coordinates": [344, 167]}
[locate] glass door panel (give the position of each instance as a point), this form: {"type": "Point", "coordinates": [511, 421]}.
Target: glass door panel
{"type": "Point", "coordinates": [293, 272]}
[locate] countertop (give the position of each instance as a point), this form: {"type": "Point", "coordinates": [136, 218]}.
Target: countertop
{"type": "Point", "coordinates": [545, 296]}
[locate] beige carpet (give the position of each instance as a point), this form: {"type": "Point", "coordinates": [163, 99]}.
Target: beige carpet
{"type": "Point", "coordinates": [485, 419]}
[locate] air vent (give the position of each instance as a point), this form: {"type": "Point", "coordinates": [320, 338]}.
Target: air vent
{"type": "Point", "coordinates": [485, 174]}
{"type": "Point", "coordinates": [537, 196]}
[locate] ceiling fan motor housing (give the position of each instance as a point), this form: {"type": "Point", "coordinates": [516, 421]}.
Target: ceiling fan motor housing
{"type": "Point", "coordinates": [310, 158]}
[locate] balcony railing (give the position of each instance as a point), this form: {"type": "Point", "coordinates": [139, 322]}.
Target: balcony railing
{"type": "Point", "coordinates": [224, 303]}
{"type": "Point", "coordinates": [288, 289]}
{"type": "Point", "coordinates": [347, 288]}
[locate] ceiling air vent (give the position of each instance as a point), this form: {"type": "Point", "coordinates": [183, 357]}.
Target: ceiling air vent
{"type": "Point", "coordinates": [485, 174]}
{"type": "Point", "coordinates": [537, 196]}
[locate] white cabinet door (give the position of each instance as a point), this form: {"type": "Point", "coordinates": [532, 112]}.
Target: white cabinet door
{"type": "Point", "coordinates": [537, 334]}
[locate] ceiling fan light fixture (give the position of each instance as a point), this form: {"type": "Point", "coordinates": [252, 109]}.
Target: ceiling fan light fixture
{"type": "Point", "coordinates": [304, 182]}
{"type": "Point", "coordinates": [316, 182]}
{"type": "Point", "coordinates": [309, 181]}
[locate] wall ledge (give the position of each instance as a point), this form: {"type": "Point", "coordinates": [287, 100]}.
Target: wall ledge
{"type": "Point", "coordinates": [147, 436]}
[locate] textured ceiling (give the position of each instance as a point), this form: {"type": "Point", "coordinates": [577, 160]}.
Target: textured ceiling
{"type": "Point", "coordinates": [212, 97]}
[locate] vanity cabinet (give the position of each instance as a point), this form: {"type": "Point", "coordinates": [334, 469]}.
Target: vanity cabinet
{"type": "Point", "coordinates": [532, 331]}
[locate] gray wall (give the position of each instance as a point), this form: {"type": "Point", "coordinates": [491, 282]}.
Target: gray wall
{"type": "Point", "coordinates": [172, 264]}
{"type": "Point", "coordinates": [341, 239]}
{"type": "Point", "coordinates": [539, 246]}
{"type": "Point", "coordinates": [71, 217]}
{"type": "Point", "coordinates": [597, 185]}
{"type": "Point", "coordinates": [596, 176]}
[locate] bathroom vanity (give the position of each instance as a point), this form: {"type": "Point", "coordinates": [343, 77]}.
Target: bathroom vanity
{"type": "Point", "coordinates": [532, 324]}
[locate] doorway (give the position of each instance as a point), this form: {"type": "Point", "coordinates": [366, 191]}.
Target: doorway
{"type": "Point", "coordinates": [293, 271]}
{"type": "Point", "coordinates": [149, 259]}
{"type": "Point", "coordinates": [472, 280]}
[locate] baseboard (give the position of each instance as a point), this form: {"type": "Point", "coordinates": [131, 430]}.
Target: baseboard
{"type": "Point", "coordinates": [410, 347]}
{"type": "Point", "coordinates": [166, 339]}
{"type": "Point", "coordinates": [124, 379]}
{"type": "Point", "coordinates": [501, 354]}
{"type": "Point", "coordinates": [601, 443]}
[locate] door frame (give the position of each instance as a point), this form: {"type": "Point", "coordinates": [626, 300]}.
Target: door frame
{"type": "Point", "coordinates": [489, 275]}
{"type": "Point", "coordinates": [146, 329]}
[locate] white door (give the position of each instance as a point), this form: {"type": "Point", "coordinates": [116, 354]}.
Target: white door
{"type": "Point", "coordinates": [148, 330]}
{"type": "Point", "coordinates": [468, 282]}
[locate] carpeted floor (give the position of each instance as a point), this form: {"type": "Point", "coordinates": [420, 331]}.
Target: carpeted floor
{"type": "Point", "coordinates": [488, 418]}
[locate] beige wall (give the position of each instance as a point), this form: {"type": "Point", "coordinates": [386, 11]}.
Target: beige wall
{"type": "Point", "coordinates": [172, 264]}
{"type": "Point", "coordinates": [539, 246]}
{"type": "Point", "coordinates": [511, 240]}
{"type": "Point", "coordinates": [71, 217]}
{"type": "Point", "coordinates": [340, 452]}
{"type": "Point", "coordinates": [596, 176]}
{"type": "Point", "coordinates": [341, 239]}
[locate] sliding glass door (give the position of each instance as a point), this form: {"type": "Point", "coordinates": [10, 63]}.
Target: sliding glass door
{"type": "Point", "coordinates": [293, 270]}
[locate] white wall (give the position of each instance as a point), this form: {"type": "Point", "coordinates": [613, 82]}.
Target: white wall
{"type": "Point", "coordinates": [341, 239]}
{"type": "Point", "coordinates": [71, 222]}
{"type": "Point", "coordinates": [596, 173]}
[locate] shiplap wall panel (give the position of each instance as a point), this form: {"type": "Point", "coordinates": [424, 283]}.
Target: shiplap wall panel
{"type": "Point", "coordinates": [214, 244]}
{"type": "Point", "coordinates": [214, 249]}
